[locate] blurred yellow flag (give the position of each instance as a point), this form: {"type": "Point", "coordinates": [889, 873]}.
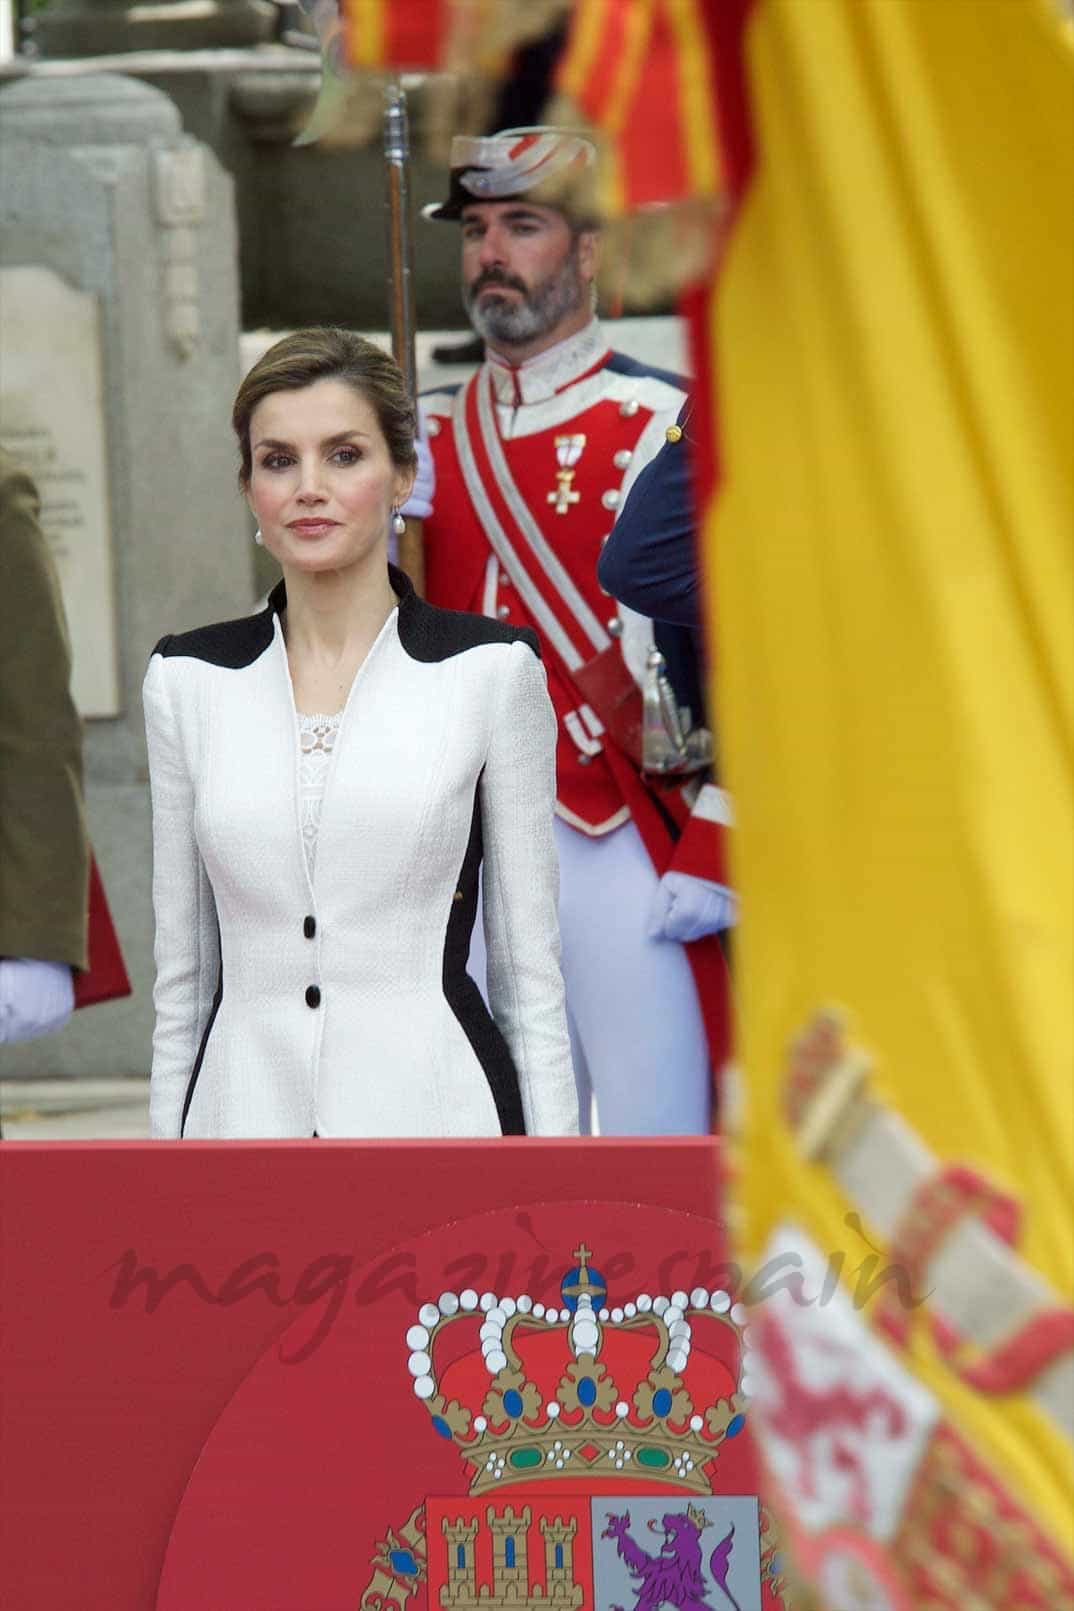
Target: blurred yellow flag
{"type": "Point", "coordinates": [891, 559]}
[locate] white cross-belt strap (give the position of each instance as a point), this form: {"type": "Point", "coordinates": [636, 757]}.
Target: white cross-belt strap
{"type": "Point", "coordinates": [542, 550]}
{"type": "Point", "coordinates": [492, 586]}
{"type": "Point", "coordinates": [524, 552]}
{"type": "Point", "coordinates": [501, 544]}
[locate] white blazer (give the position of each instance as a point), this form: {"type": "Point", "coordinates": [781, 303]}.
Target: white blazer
{"type": "Point", "coordinates": [342, 1006]}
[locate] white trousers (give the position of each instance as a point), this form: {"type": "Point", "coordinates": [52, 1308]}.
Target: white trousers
{"type": "Point", "coordinates": [637, 1036]}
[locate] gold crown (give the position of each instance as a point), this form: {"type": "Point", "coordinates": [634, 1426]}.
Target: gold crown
{"type": "Point", "coordinates": [651, 1389]}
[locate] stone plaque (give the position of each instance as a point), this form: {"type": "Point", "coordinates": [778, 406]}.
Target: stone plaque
{"type": "Point", "coordinates": [52, 420]}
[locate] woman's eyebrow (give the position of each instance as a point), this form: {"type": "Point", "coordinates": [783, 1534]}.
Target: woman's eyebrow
{"type": "Point", "coordinates": [342, 436]}
{"type": "Point", "coordinates": [329, 441]}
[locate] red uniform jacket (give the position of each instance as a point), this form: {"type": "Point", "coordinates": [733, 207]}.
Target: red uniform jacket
{"type": "Point", "coordinates": [531, 465]}
{"type": "Point", "coordinates": [574, 425]}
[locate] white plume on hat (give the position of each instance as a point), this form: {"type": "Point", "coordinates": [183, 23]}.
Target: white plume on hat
{"type": "Point", "coordinates": [517, 160]}
{"type": "Point", "coordinates": [493, 167]}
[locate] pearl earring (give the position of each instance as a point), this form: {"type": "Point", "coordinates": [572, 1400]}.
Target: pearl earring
{"type": "Point", "coordinates": [398, 523]}
{"type": "Point", "coordinates": [258, 539]}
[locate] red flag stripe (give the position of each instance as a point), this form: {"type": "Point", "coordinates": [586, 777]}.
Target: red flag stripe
{"type": "Point", "coordinates": [386, 35]}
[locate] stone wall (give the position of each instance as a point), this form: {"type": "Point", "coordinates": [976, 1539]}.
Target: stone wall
{"type": "Point", "coordinates": [310, 218]}
{"type": "Point", "coordinates": [108, 209]}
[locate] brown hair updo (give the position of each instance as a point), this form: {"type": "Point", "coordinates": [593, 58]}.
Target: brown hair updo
{"type": "Point", "coordinates": [328, 353]}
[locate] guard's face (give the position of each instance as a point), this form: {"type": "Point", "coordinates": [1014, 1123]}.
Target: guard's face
{"type": "Point", "coordinates": [322, 482]}
{"type": "Point", "coordinates": [522, 269]}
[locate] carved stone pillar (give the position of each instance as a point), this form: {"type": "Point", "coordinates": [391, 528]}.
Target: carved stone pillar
{"type": "Point", "coordinates": [120, 311]}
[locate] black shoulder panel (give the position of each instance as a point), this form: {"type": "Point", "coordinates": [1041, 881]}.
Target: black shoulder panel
{"type": "Point", "coordinates": [431, 634]}
{"type": "Point", "coordinates": [233, 644]}
{"type": "Point", "coordinates": [620, 364]}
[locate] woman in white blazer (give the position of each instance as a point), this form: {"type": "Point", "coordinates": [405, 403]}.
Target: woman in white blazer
{"type": "Point", "coordinates": [328, 776]}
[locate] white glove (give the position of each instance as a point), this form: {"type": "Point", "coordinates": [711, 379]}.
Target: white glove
{"type": "Point", "coordinates": [685, 908]}
{"type": "Point", "coordinates": [419, 506]}
{"type": "Point", "coordinates": [35, 998]}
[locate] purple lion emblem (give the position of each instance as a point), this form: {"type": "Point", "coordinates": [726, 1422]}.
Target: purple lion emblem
{"type": "Point", "coordinates": [673, 1575]}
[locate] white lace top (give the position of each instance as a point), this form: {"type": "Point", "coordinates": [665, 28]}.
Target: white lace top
{"type": "Point", "coordinates": [318, 738]}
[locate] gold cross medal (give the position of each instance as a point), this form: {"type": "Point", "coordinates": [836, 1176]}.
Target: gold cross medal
{"type": "Point", "coordinates": [568, 452]}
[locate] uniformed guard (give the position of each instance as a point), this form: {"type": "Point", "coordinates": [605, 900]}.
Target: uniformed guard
{"type": "Point", "coordinates": [533, 457]}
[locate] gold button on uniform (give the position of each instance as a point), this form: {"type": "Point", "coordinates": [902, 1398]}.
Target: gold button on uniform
{"type": "Point", "coordinates": [674, 433]}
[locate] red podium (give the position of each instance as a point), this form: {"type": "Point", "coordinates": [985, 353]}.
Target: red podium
{"type": "Point", "coordinates": [292, 1376]}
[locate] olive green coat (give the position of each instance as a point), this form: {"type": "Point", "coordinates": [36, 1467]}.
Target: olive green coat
{"type": "Point", "coordinates": [43, 846]}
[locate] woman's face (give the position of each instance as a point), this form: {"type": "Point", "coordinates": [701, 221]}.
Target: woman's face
{"type": "Point", "coordinates": [322, 482]}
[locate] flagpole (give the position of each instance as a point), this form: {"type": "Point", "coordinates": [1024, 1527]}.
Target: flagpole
{"type": "Point", "coordinates": [401, 284]}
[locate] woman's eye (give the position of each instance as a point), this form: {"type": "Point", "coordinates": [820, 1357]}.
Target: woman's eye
{"type": "Point", "coordinates": [347, 455]}
{"type": "Point", "coordinates": [275, 461]}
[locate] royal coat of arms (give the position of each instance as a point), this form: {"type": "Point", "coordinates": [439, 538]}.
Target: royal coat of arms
{"type": "Point", "coordinates": [538, 1409]}
{"type": "Point", "coordinates": [591, 1433]}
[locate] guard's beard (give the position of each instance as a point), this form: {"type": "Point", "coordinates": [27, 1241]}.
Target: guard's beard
{"type": "Point", "coordinates": [519, 320]}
